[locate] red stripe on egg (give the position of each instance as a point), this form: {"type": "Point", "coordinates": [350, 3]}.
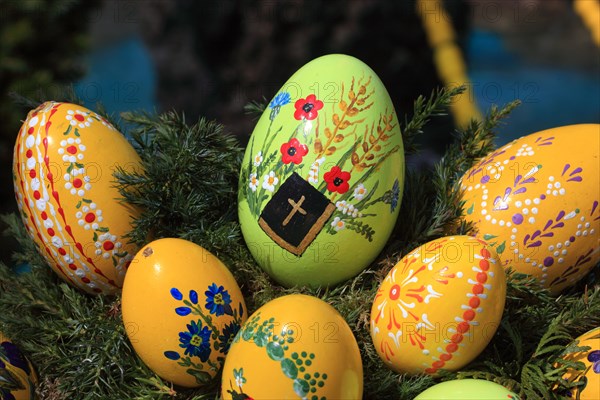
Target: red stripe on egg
{"type": "Point", "coordinates": [32, 174]}
{"type": "Point", "coordinates": [468, 315]}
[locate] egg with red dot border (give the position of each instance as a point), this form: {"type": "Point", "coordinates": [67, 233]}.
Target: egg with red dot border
{"type": "Point", "coordinates": [536, 201]}
{"type": "Point", "coordinates": [439, 307]}
{"type": "Point", "coordinates": [63, 164]}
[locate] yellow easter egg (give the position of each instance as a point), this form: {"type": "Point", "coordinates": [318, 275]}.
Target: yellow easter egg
{"type": "Point", "coordinates": [181, 309]}
{"type": "Point", "coordinates": [64, 158]}
{"type": "Point", "coordinates": [294, 347]}
{"type": "Point", "coordinates": [17, 377]}
{"type": "Point", "coordinates": [323, 173]}
{"type": "Point", "coordinates": [439, 307]}
{"type": "Point", "coordinates": [591, 359]}
{"type": "Point", "coordinates": [535, 201]}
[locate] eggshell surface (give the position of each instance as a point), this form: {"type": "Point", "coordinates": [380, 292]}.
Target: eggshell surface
{"type": "Point", "coordinates": [322, 177]}
{"type": "Point", "coordinates": [467, 389]}
{"type": "Point", "coordinates": [439, 307]}
{"type": "Point", "coordinates": [536, 201]}
{"type": "Point", "coordinates": [181, 309]}
{"type": "Point", "coordinates": [294, 347]}
{"type": "Point", "coordinates": [63, 162]}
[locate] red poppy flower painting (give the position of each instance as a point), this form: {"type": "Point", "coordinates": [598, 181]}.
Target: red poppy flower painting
{"type": "Point", "coordinates": [293, 152]}
{"type": "Point", "coordinates": [337, 180]}
{"type": "Point", "coordinates": [307, 108]}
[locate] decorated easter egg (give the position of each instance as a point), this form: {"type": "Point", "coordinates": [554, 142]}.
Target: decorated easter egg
{"type": "Point", "coordinates": [17, 377]}
{"type": "Point", "coordinates": [322, 176]}
{"type": "Point", "coordinates": [294, 347]}
{"type": "Point", "coordinates": [536, 201]}
{"type": "Point", "coordinates": [439, 307]}
{"type": "Point", "coordinates": [64, 158]}
{"type": "Point", "coordinates": [467, 389]}
{"type": "Point", "coordinates": [181, 310]}
{"type": "Point", "coordinates": [591, 374]}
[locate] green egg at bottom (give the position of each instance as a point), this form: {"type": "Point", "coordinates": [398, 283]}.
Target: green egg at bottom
{"type": "Point", "coordinates": [467, 389]}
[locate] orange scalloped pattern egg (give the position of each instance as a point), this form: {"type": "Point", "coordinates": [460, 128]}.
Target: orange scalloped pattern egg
{"type": "Point", "coordinates": [64, 158]}
{"type": "Point", "coordinates": [439, 307]}
{"type": "Point", "coordinates": [536, 201]}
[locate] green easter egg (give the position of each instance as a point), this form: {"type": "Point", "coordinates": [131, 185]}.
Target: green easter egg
{"type": "Point", "coordinates": [323, 173]}
{"type": "Point", "coordinates": [467, 389]}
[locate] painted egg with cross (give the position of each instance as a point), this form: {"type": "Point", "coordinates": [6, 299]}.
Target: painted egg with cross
{"type": "Point", "coordinates": [467, 389]}
{"type": "Point", "coordinates": [536, 201]}
{"type": "Point", "coordinates": [293, 347]}
{"type": "Point", "coordinates": [17, 377]}
{"type": "Point", "coordinates": [439, 307]}
{"type": "Point", "coordinates": [322, 177]}
{"type": "Point", "coordinates": [63, 165]}
{"type": "Point", "coordinates": [181, 309]}
{"type": "Point", "coordinates": [590, 376]}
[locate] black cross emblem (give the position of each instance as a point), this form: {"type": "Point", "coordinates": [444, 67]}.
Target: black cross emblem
{"type": "Point", "coordinates": [295, 214]}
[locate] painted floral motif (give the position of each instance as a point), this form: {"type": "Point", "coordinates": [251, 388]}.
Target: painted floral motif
{"type": "Point", "coordinates": [238, 375]}
{"type": "Point", "coordinates": [258, 159]}
{"type": "Point", "coordinates": [337, 180]}
{"type": "Point", "coordinates": [342, 134]}
{"type": "Point", "coordinates": [270, 181]}
{"type": "Point", "coordinates": [279, 101]}
{"type": "Point", "coordinates": [293, 152]}
{"type": "Point", "coordinates": [218, 300]}
{"type": "Point", "coordinates": [79, 118]}
{"type": "Point", "coordinates": [360, 192]}
{"type": "Point", "coordinates": [253, 182]}
{"type": "Point", "coordinates": [201, 336]}
{"type": "Point", "coordinates": [297, 366]}
{"type": "Point", "coordinates": [307, 108]}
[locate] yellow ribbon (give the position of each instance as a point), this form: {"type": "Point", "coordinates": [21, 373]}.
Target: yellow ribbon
{"type": "Point", "coordinates": [448, 59]}
{"type": "Point", "coordinates": [589, 12]}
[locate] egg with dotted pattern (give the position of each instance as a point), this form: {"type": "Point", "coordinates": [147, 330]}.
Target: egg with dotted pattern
{"type": "Point", "coordinates": [17, 376]}
{"type": "Point", "coordinates": [294, 347]}
{"type": "Point", "coordinates": [63, 162]}
{"type": "Point", "coordinates": [439, 307]}
{"type": "Point", "coordinates": [535, 200]}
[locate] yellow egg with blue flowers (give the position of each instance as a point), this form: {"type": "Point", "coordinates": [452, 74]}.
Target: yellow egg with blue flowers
{"type": "Point", "coordinates": [181, 310]}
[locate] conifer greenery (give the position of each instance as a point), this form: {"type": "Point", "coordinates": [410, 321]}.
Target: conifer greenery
{"type": "Point", "coordinates": [189, 190]}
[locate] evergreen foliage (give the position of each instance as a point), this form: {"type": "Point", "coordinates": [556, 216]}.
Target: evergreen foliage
{"type": "Point", "coordinates": [189, 190]}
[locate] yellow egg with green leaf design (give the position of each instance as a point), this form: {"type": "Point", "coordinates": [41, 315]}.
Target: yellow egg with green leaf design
{"type": "Point", "coordinates": [322, 176]}
{"type": "Point", "coordinates": [294, 347]}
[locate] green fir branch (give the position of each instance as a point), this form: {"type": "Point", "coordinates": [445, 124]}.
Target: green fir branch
{"type": "Point", "coordinates": [187, 187]}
